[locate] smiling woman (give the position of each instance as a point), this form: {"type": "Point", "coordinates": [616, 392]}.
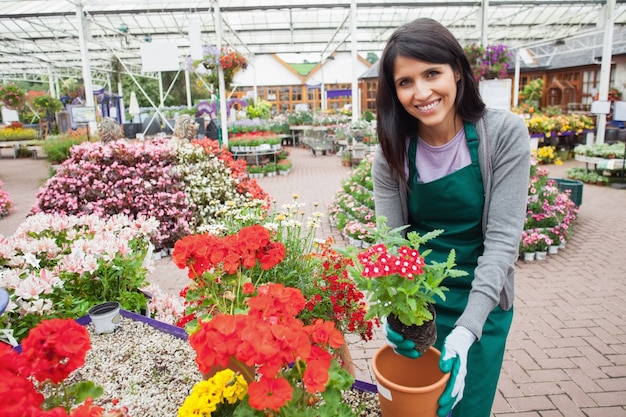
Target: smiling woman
{"type": "Point", "coordinates": [438, 168]}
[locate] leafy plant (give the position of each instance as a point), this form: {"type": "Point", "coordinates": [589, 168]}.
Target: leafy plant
{"type": "Point", "coordinates": [57, 147]}
{"type": "Point", "coordinates": [60, 266]}
{"type": "Point", "coordinates": [396, 277]}
{"type": "Point", "coordinates": [219, 270]}
{"type": "Point", "coordinates": [295, 370]}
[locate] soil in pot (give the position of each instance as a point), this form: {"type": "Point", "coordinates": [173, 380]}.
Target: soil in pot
{"type": "Point", "coordinates": [424, 336]}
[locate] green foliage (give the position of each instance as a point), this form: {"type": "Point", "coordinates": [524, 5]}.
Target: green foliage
{"type": "Point", "coordinates": [74, 394]}
{"type": "Point", "coordinates": [57, 148]}
{"type": "Point", "coordinates": [47, 103]}
{"type": "Point", "coordinates": [261, 109]}
{"type": "Point", "coordinates": [532, 91]}
{"type": "Point", "coordinates": [368, 116]}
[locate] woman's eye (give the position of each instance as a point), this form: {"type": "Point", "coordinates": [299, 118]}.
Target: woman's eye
{"type": "Point", "coordinates": [403, 83]}
{"type": "Point", "coordinates": [432, 74]}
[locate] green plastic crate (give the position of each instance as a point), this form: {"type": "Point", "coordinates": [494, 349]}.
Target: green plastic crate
{"type": "Point", "coordinates": [575, 187]}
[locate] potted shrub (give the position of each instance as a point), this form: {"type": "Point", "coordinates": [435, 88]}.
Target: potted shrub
{"type": "Point", "coordinates": [401, 287]}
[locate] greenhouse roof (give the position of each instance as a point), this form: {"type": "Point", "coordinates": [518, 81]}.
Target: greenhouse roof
{"type": "Point", "coordinates": [39, 37]}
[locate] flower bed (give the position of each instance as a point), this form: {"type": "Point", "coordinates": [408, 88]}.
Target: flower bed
{"type": "Point", "coordinates": [186, 190]}
{"type": "Point", "coordinates": [146, 362]}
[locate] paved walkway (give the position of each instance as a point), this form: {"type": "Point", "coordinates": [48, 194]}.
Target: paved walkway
{"type": "Point", "coordinates": [566, 354]}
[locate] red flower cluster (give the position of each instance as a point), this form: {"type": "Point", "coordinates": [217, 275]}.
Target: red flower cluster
{"type": "Point", "coordinates": [348, 302]}
{"type": "Point", "coordinates": [270, 337]}
{"type": "Point", "coordinates": [215, 265]}
{"type": "Point", "coordinates": [50, 352]}
{"type": "Point", "coordinates": [230, 58]}
{"type": "Point", "coordinates": [204, 252]}
{"type": "Point", "coordinates": [378, 262]}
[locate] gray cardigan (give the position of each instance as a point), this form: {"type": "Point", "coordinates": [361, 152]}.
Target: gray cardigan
{"type": "Point", "coordinates": [504, 157]}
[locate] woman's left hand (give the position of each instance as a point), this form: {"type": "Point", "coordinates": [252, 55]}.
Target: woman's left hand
{"type": "Point", "coordinates": [454, 359]}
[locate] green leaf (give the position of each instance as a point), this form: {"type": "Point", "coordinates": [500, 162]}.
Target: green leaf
{"type": "Point", "coordinates": [83, 390]}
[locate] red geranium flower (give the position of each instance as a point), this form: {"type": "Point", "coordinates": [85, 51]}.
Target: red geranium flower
{"type": "Point", "coordinates": [269, 393]}
{"type": "Point", "coordinates": [55, 348]}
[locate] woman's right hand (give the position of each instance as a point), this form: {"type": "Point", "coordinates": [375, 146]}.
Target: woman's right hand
{"type": "Point", "coordinates": [399, 344]}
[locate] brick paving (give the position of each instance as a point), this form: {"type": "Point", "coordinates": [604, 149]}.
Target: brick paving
{"type": "Point", "coordinates": [566, 355]}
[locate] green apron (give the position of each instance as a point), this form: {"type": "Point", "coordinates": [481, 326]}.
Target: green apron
{"type": "Point", "coordinates": [455, 203]}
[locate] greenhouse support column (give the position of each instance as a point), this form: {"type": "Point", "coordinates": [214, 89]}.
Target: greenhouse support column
{"type": "Point", "coordinates": [84, 53]}
{"type": "Point", "coordinates": [188, 90]}
{"type": "Point", "coordinates": [605, 66]}
{"type": "Point", "coordinates": [220, 76]}
{"type": "Point", "coordinates": [51, 83]}
{"type": "Point", "coordinates": [516, 79]}
{"type": "Point", "coordinates": [484, 22]}
{"type": "Point", "coordinates": [356, 108]}
{"type": "Point", "coordinates": [161, 98]}
{"type": "Point", "coordinates": [120, 93]}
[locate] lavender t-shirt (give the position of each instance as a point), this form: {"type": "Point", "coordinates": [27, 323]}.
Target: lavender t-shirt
{"type": "Point", "coordinates": [435, 162]}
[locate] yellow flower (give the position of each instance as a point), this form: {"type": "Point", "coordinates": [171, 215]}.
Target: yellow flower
{"type": "Point", "coordinates": [206, 395]}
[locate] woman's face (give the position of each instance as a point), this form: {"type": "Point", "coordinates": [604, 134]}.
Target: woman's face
{"type": "Point", "coordinates": [427, 92]}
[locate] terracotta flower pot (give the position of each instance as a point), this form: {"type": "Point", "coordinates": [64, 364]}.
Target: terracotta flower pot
{"type": "Point", "coordinates": [408, 387]}
{"type": "Point", "coordinates": [345, 359]}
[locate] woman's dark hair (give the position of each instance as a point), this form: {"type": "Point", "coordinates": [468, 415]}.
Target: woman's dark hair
{"type": "Point", "coordinates": [426, 40]}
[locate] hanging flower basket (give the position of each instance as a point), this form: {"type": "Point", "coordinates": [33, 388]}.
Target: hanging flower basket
{"type": "Point", "coordinates": [228, 59]}
{"type": "Point", "coordinates": [12, 96]}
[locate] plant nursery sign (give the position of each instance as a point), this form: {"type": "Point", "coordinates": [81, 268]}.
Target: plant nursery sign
{"type": "Point", "coordinates": [83, 114]}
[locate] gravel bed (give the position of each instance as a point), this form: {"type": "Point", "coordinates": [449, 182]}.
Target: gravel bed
{"type": "Point", "coordinates": [152, 372]}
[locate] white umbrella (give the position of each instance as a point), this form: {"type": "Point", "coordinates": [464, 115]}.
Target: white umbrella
{"type": "Point", "coordinates": [133, 107]}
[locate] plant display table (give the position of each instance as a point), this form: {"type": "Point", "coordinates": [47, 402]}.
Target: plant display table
{"type": "Point", "coordinates": [258, 152]}
{"type": "Point", "coordinates": [609, 164]}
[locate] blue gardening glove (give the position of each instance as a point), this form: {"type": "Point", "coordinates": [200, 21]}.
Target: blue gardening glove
{"type": "Point", "coordinates": [399, 344]}
{"type": "Point", "coordinates": [454, 359]}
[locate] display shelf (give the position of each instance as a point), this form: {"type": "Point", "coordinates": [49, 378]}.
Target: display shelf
{"type": "Point", "coordinates": [609, 164]}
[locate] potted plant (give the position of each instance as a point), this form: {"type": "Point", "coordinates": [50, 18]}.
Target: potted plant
{"type": "Point", "coordinates": [543, 243]}
{"type": "Point", "coordinates": [402, 287]}
{"type": "Point", "coordinates": [255, 171]}
{"type": "Point", "coordinates": [528, 244]}
{"type": "Point", "coordinates": [270, 169]}
{"type": "Point", "coordinates": [12, 96]}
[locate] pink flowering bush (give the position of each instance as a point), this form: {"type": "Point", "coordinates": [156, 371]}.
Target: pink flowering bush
{"type": "Point", "coordinates": [60, 266]}
{"type": "Point", "coordinates": [6, 204]}
{"type": "Point", "coordinates": [134, 179]}
{"type": "Point", "coordinates": [352, 208]}
{"type": "Point", "coordinates": [550, 212]}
